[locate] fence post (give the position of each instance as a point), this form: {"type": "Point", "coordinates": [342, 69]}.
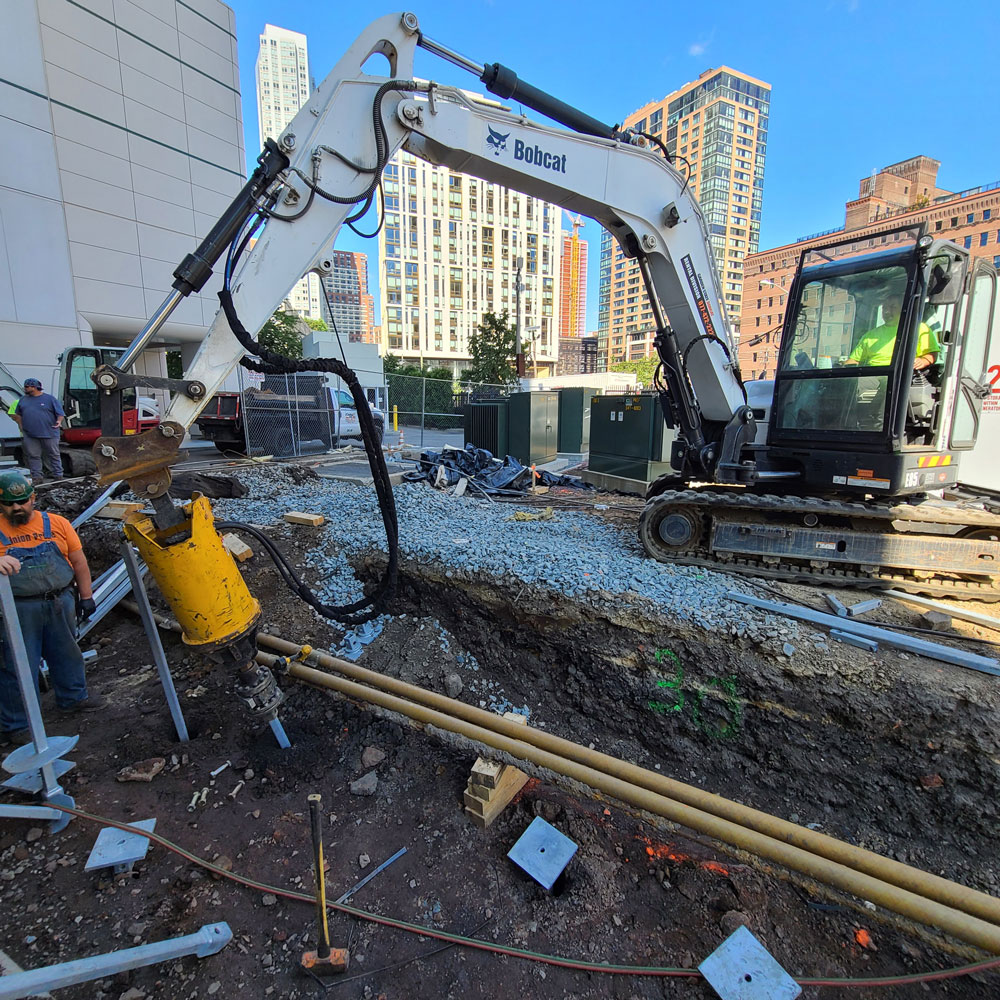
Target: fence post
{"type": "Point", "coordinates": [423, 408]}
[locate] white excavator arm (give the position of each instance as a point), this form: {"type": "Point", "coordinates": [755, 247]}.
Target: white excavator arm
{"type": "Point", "coordinates": [630, 189]}
{"type": "Point", "coordinates": [621, 180]}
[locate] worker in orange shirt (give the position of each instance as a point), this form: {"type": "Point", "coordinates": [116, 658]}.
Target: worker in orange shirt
{"type": "Point", "coordinates": [42, 555]}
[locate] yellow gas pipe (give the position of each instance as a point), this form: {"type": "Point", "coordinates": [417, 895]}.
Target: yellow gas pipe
{"type": "Point", "coordinates": [525, 743]}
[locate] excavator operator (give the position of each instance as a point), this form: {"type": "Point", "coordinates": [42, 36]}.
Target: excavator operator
{"type": "Point", "coordinates": [874, 349]}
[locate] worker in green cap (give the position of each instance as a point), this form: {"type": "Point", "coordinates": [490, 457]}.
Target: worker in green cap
{"type": "Point", "coordinates": [42, 555]}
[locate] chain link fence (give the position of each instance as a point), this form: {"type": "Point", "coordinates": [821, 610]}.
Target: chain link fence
{"type": "Point", "coordinates": [431, 411]}
{"type": "Point", "coordinates": [288, 415]}
{"type": "Point", "coordinates": [310, 412]}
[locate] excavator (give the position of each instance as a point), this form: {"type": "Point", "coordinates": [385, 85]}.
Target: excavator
{"type": "Point", "coordinates": [827, 474]}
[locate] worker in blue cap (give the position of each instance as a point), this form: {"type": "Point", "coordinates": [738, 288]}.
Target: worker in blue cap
{"type": "Point", "coordinates": [40, 416]}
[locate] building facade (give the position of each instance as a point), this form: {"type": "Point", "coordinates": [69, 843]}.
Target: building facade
{"type": "Point", "coordinates": [577, 356]}
{"type": "Point", "coordinates": [904, 193]}
{"type": "Point", "coordinates": [449, 252]}
{"type": "Point", "coordinates": [716, 130]}
{"type": "Point", "coordinates": [348, 308]}
{"type": "Point", "coordinates": [124, 143]}
{"type": "Point", "coordinates": [573, 283]}
{"type": "Point", "coordinates": [283, 86]}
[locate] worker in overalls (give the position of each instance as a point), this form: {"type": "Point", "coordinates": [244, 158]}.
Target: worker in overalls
{"type": "Point", "coordinates": [42, 555]}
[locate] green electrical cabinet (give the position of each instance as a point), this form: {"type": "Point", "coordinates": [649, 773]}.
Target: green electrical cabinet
{"type": "Point", "coordinates": [574, 418]}
{"type": "Point", "coordinates": [628, 438]}
{"type": "Point", "coordinates": [533, 426]}
{"type": "Point", "coordinates": [486, 426]}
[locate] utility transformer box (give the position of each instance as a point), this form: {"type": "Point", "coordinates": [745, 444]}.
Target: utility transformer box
{"type": "Point", "coordinates": [533, 427]}
{"type": "Point", "coordinates": [628, 441]}
{"type": "Point", "coordinates": [574, 418]}
{"type": "Point", "coordinates": [486, 426]}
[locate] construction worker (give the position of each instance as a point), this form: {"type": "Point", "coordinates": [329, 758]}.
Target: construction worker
{"type": "Point", "coordinates": [40, 416]}
{"type": "Point", "coordinates": [874, 349]}
{"type": "Point", "coordinates": [42, 555]}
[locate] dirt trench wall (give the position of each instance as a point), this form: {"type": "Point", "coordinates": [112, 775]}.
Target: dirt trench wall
{"type": "Point", "coordinates": [896, 753]}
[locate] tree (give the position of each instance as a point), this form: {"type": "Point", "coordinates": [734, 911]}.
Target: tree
{"type": "Point", "coordinates": [643, 370]}
{"type": "Point", "coordinates": [283, 333]}
{"type": "Point", "coordinates": [492, 346]}
{"type": "Point", "coordinates": [316, 324]}
{"type": "Point", "coordinates": [175, 366]}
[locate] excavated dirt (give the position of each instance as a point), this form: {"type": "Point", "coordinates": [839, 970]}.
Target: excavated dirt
{"type": "Point", "coordinates": [895, 753]}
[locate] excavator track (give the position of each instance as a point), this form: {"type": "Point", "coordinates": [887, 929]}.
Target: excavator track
{"type": "Point", "coordinates": [933, 548]}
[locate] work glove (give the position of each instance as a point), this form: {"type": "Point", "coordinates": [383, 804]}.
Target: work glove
{"type": "Point", "coordinates": [85, 607]}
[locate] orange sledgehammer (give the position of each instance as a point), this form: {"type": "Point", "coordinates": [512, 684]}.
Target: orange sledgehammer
{"type": "Point", "coordinates": [324, 958]}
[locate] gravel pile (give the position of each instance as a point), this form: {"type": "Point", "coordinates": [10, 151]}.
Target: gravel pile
{"type": "Point", "coordinates": [573, 554]}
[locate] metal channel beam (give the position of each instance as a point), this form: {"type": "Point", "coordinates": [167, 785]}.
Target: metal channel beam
{"type": "Point", "coordinates": [925, 602]}
{"type": "Point", "coordinates": [936, 651]}
{"type": "Point", "coordinates": [207, 941]}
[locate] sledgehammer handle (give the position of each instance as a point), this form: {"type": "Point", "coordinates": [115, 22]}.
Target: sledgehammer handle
{"type": "Point", "coordinates": [316, 821]}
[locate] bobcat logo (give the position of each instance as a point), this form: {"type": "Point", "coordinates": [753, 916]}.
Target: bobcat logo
{"type": "Point", "coordinates": [497, 141]}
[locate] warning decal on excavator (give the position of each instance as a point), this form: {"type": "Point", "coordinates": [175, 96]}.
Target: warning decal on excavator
{"type": "Point", "coordinates": [932, 461]}
{"type": "Point", "coordinates": [698, 291]}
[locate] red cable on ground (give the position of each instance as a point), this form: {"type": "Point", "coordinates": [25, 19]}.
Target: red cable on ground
{"type": "Point", "coordinates": [498, 949]}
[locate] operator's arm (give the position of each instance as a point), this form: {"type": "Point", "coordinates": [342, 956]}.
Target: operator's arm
{"type": "Point", "coordinates": [59, 412]}
{"type": "Point", "coordinates": [82, 572]}
{"type": "Point", "coordinates": [928, 349]}
{"type": "Point", "coordinates": [9, 565]}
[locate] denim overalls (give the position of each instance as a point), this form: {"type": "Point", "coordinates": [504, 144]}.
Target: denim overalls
{"type": "Point", "coordinates": [46, 610]}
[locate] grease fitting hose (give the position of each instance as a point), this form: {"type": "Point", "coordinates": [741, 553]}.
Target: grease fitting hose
{"type": "Point", "coordinates": [966, 914]}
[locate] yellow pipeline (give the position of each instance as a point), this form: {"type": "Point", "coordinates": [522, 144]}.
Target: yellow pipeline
{"type": "Point", "coordinates": [197, 576]}
{"type": "Point", "coordinates": [924, 909]}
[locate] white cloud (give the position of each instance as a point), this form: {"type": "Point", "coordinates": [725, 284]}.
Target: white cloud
{"type": "Point", "coordinates": [700, 47]}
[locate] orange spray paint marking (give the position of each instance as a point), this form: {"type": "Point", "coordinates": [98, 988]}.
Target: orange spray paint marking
{"type": "Point", "coordinates": [863, 937]}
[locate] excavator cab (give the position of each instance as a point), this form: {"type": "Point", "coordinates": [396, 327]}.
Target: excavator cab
{"type": "Point", "coordinates": [882, 366]}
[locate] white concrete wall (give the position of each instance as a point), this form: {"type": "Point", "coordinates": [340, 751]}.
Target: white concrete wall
{"type": "Point", "coordinates": [123, 144]}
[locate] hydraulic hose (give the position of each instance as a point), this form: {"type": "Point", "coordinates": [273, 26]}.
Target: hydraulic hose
{"type": "Point", "coordinates": [930, 911]}
{"type": "Point", "coordinates": [951, 894]}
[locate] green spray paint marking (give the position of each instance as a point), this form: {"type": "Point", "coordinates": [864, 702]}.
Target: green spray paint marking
{"type": "Point", "coordinates": [726, 685]}
{"type": "Point", "coordinates": [725, 730]}
{"type": "Point", "coordinates": [677, 705]}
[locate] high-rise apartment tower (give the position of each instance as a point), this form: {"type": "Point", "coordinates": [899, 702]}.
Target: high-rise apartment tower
{"type": "Point", "coordinates": [348, 308]}
{"type": "Point", "coordinates": [573, 283]}
{"type": "Point", "coordinates": [448, 253]}
{"type": "Point", "coordinates": [716, 130]}
{"type": "Point", "coordinates": [283, 86]}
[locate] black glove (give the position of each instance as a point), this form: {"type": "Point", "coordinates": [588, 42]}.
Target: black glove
{"type": "Point", "coordinates": [85, 607]}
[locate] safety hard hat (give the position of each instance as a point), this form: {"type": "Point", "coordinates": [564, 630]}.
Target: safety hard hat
{"type": "Point", "coordinates": [14, 487]}
{"type": "Point", "coordinates": [32, 381]}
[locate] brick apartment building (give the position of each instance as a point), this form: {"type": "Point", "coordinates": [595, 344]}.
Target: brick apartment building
{"type": "Point", "coordinates": [901, 194]}
{"type": "Point", "coordinates": [577, 356]}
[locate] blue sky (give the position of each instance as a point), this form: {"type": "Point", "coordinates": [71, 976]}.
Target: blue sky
{"type": "Point", "coordinates": [857, 84]}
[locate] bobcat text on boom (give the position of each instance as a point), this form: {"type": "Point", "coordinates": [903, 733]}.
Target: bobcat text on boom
{"type": "Point", "coordinates": [536, 155]}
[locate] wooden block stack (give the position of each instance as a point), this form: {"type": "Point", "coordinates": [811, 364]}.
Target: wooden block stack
{"type": "Point", "coordinates": [300, 517]}
{"type": "Point", "coordinates": [236, 547]}
{"type": "Point", "coordinates": [491, 786]}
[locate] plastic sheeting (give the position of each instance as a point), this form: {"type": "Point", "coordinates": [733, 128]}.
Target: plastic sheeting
{"type": "Point", "coordinates": [446, 468]}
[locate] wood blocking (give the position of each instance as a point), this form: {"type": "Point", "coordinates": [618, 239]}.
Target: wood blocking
{"type": "Point", "coordinates": [492, 786]}
{"type": "Point", "coordinates": [300, 517]}
{"type": "Point", "coordinates": [118, 510]}
{"type": "Point", "coordinates": [236, 547]}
